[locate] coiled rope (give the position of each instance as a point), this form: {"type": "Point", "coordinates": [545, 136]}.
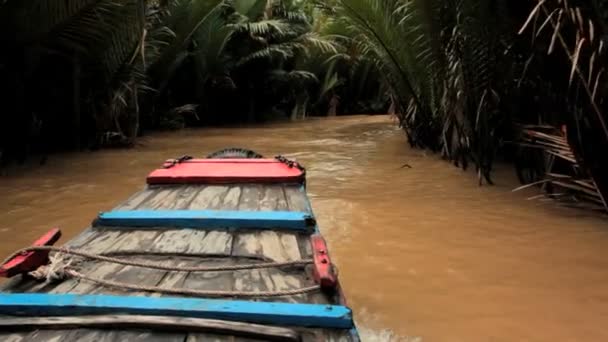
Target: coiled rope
{"type": "Point", "coordinates": [58, 269]}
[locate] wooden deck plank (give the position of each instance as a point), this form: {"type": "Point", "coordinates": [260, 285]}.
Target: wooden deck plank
{"type": "Point", "coordinates": [186, 196]}
{"type": "Point", "coordinates": [279, 246]}
{"type": "Point", "coordinates": [175, 279]}
{"type": "Point", "coordinates": [13, 337]}
{"type": "Point", "coordinates": [102, 270]}
{"type": "Point", "coordinates": [304, 246]}
{"type": "Point", "coordinates": [250, 197]}
{"type": "Point", "coordinates": [136, 276]}
{"type": "Point", "coordinates": [217, 338]}
{"type": "Point", "coordinates": [296, 198]}
{"type": "Point", "coordinates": [159, 198]}
{"type": "Point", "coordinates": [135, 200]}
{"type": "Point", "coordinates": [134, 241]}
{"type": "Point", "coordinates": [102, 242]}
{"type": "Point", "coordinates": [142, 323]}
{"type": "Point", "coordinates": [105, 335]}
{"type": "Point", "coordinates": [213, 243]}
{"type": "Point", "coordinates": [247, 245]}
{"type": "Point", "coordinates": [50, 335]}
{"type": "Point", "coordinates": [210, 197]}
{"type": "Point", "coordinates": [211, 280]}
{"type": "Point", "coordinates": [273, 198]}
{"type": "Point", "coordinates": [83, 238]}
{"type": "Point", "coordinates": [231, 200]}
{"type": "Point", "coordinates": [250, 281]}
{"type": "Point", "coordinates": [174, 197]}
{"type": "Point", "coordinates": [177, 241]}
{"type": "Point", "coordinates": [289, 242]}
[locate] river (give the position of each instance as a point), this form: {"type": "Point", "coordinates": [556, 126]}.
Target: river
{"type": "Point", "coordinates": [424, 253]}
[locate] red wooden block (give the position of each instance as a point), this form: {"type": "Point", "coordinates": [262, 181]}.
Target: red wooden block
{"type": "Point", "coordinates": [29, 261]}
{"type": "Point", "coordinates": [323, 270]}
{"type": "Point", "coordinates": [214, 171]}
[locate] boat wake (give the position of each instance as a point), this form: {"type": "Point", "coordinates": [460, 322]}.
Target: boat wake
{"type": "Point", "coordinates": [385, 335]}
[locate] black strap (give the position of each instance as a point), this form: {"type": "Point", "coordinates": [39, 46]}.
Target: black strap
{"type": "Point", "coordinates": [176, 161]}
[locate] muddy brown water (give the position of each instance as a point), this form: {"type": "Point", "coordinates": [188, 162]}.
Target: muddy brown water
{"type": "Point", "coordinates": [424, 254]}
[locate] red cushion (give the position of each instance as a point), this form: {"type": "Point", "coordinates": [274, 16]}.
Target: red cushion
{"type": "Point", "coordinates": [214, 171]}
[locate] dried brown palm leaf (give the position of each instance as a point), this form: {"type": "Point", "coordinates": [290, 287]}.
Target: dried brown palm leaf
{"type": "Point", "coordinates": [574, 188]}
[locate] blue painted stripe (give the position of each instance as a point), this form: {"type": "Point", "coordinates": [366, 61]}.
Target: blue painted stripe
{"type": "Point", "coordinates": [207, 219]}
{"type": "Point", "coordinates": [303, 315]}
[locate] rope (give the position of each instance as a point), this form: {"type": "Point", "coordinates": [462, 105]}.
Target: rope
{"type": "Point", "coordinates": [192, 292]}
{"type": "Point", "coordinates": [59, 269]}
{"type": "Point", "coordinates": [157, 266]}
{"type": "Point", "coordinates": [55, 270]}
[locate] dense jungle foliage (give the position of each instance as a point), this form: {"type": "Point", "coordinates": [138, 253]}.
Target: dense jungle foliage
{"type": "Point", "coordinates": [470, 79]}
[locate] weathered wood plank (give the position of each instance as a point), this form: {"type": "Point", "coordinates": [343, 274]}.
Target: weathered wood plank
{"type": "Point", "coordinates": [135, 200]}
{"type": "Point", "coordinates": [231, 200]}
{"type": "Point", "coordinates": [273, 198]}
{"type": "Point", "coordinates": [277, 280]}
{"type": "Point", "coordinates": [250, 197]}
{"type": "Point", "coordinates": [180, 198]}
{"type": "Point", "coordinates": [216, 281]}
{"type": "Point", "coordinates": [304, 246]}
{"type": "Point", "coordinates": [136, 276]}
{"type": "Point", "coordinates": [102, 242]}
{"type": "Point", "coordinates": [155, 323]}
{"type": "Point", "coordinates": [13, 337]}
{"type": "Point", "coordinates": [83, 238]}
{"type": "Point", "coordinates": [50, 335]}
{"type": "Point", "coordinates": [296, 198]}
{"type": "Point", "coordinates": [279, 246]}
{"type": "Point", "coordinates": [175, 279]}
{"type": "Point", "coordinates": [213, 243]}
{"type": "Point", "coordinates": [289, 242]}
{"type": "Point", "coordinates": [10, 285]}
{"type": "Point", "coordinates": [250, 280]}
{"type": "Point", "coordinates": [276, 247]}
{"type": "Point", "coordinates": [198, 337]}
{"type": "Point", "coordinates": [158, 198]}
{"type": "Point", "coordinates": [247, 245]}
{"type": "Point", "coordinates": [103, 335]}
{"type": "Point", "coordinates": [101, 270]}
{"type": "Point", "coordinates": [177, 241]}
{"type": "Point", "coordinates": [210, 197]}
{"type": "Point", "coordinates": [134, 241]}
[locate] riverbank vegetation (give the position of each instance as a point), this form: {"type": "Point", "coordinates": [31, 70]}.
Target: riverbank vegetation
{"type": "Point", "coordinates": [472, 80]}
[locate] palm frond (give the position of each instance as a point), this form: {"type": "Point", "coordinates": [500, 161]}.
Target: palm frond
{"type": "Point", "coordinates": [266, 27]}
{"type": "Point", "coordinates": [271, 52]}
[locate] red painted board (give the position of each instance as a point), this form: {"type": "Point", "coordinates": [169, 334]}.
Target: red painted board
{"type": "Point", "coordinates": [323, 269]}
{"type": "Point", "coordinates": [30, 261]}
{"type": "Point", "coordinates": [214, 171]}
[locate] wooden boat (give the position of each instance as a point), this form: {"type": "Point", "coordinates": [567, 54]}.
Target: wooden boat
{"type": "Point", "coordinates": [221, 248]}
